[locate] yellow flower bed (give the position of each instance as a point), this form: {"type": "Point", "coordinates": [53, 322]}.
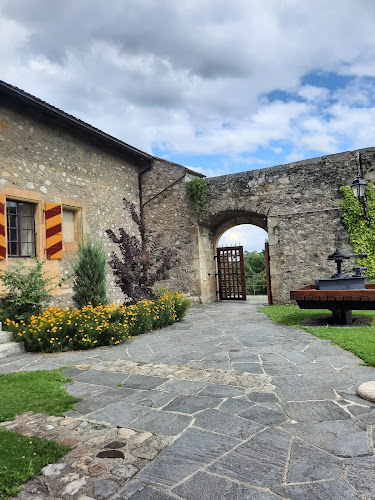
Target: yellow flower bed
{"type": "Point", "coordinates": [69, 329]}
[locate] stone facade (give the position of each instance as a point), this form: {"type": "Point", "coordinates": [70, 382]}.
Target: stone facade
{"type": "Point", "coordinates": [299, 205]}
{"type": "Point", "coordinates": [48, 156]}
{"type": "Point", "coordinates": [41, 161]}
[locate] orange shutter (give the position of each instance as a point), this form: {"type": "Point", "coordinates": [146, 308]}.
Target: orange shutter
{"type": "Point", "coordinates": [53, 230]}
{"type": "Point", "coordinates": [3, 244]}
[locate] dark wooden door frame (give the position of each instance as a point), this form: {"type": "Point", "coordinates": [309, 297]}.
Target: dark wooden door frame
{"type": "Point", "coordinates": [267, 257]}
{"type": "Point", "coordinates": [231, 272]}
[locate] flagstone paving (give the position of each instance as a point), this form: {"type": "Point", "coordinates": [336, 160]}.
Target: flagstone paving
{"type": "Point", "coordinates": [253, 409]}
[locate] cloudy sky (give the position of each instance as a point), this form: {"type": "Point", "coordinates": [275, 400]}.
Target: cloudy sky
{"type": "Point", "coordinates": [215, 85]}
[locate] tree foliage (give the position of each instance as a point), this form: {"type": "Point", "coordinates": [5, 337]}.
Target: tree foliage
{"type": "Point", "coordinates": [361, 232]}
{"type": "Point", "coordinates": [143, 261]}
{"type": "Point", "coordinates": [255, 271]}
{"type": "Point", "coordinates": [89, 284]}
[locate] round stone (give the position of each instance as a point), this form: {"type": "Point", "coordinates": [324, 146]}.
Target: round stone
{"type": "Point", "coordinates": [69, 442]}
{"type": "Point", "coordinates": [367, 391]}
{"type": "Point", "coordinates": [115, 444]}
{"type": "Point", "coordinates": [105, 488]}
{"type": "Point", "coordinates": [96, 468]}
{"type": "Point", "coordinates": [124, 471]}
{"type": "Point", "coordinates": [110, 454]}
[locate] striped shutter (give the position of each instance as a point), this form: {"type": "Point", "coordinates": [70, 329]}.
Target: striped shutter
{"type": "Point", "coordinates": [3, 228]}
{"type": "Point", "coordinates": [53, 230]}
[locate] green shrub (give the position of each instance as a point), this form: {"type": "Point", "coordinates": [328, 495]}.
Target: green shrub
{"type": "Point", "coordinates": [62, 329]}
{"type": "Point", "coordinates": [28, 291]}
{"type": "Point", "coordinates": [89, 284]}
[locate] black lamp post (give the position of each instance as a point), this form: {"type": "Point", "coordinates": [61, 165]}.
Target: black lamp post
{"type": "Point", "coordinates": [359, 185]}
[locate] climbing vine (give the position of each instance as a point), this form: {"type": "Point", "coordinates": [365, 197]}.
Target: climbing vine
{"type": "Point", "coordinates": [197, 190]}
{"type": "Point", "coordinates": [361, 231]}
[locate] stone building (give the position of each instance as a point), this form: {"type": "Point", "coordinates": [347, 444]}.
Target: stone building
{"type": "Point", "coordinates": [61, 178]}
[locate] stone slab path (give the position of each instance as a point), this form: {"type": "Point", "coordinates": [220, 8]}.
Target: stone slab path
{"type": "Point", "coordinates": [254, 409]}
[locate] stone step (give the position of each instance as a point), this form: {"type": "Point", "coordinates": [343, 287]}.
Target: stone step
{"type": "Point", "coordinates": [10, 348]}
{"type": "Point", "coordinates": [5, 337]}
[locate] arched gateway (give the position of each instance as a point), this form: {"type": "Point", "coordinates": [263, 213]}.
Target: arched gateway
{"type": "Point", "coordinates": [298, 204]}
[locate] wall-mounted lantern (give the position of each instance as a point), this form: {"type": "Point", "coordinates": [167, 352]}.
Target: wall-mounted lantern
{"type": "Point", "coordinates": [359, 185]}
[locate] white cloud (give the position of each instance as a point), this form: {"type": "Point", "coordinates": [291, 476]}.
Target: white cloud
{"type": "Point", "coordinates": [194, 78]}
{"type": "Point", "coordinates": [252, 238]}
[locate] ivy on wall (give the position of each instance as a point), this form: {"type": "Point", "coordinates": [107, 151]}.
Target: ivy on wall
{"type": "Point", "coordinates": [361, 231]}
{"type": "Point", "coordinates": [197, 190]}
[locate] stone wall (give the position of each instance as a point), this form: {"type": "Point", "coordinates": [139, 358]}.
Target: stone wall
{"type": "Point", "coordinates": [299, 205]}
{"type": "Point", "coordinates": [41, 161]}
{"type": "Point", "coordinates": [168, 211]}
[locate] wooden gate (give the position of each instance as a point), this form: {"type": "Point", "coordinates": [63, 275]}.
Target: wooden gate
{"type": "Point", "coordinates": [231, 272]}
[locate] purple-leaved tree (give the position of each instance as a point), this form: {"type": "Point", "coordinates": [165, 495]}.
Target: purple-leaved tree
{"type": "Point", "coordinates": [143, 261]}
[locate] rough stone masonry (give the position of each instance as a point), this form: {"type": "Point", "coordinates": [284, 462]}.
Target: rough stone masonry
{"type": "Point", "coordinates": [47, 155]}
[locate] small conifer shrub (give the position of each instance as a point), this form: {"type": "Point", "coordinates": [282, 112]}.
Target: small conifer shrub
{"type": "Point", "coordinates": [89, 285]}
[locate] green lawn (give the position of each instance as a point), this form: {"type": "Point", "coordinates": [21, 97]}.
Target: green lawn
{"type": "Point", "coordinates": [23, 457]}
{"type": "Point", "coordinates": [358, 339]}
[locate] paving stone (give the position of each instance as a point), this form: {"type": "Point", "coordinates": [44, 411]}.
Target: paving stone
{"type": "Point", "coordinates": [310, 411]}
{"type": "Point", "coordinates": [53, 470]}
{"type": "Point", "coordinates": [235, 405]}
{"type": "Point", "coordinates": [368, 418]}
{"type": "Point", "coordinates": [308, 463]}
{"type": "Point", "coordinates": [115, 445]}
{"type": "Point", "coordinates": [339, 361]}
{"type": "Point", "coordinates": [71, 372]}
{"type": "Point", "coordinates": [141, 438]}
{"type": "Point", "coordinates": [243, 357]}
{"type": "Point", "coordinates": [69, 442]}
{"type": "Point", "coordinates": [144, 382]}
{"type": "Point", "coordinates": [141, 491]}
{"type": "Point", "coordinates": [102, 400]}
{"type": "Point", "coordinates": [151, 399]}
{"type": "Point", "coordinates": [223, 423]}
{"type": "Point", "coordinates": [76, 485]}
{"type": "Point", "coordinates": [145, 452]}
{"type": "Point", "coordinates": [352, 396]}
{"type": "Point", "coordinates": [203, 486]}
{"type": "Point", "coordinates": [263, 415]}
{"type": "Point", "coordinates": [125, 433]}
{"type": "Point", "coordinates": [191, 404]}
{"type": "Point", "coordinates": [194, 449]}
{"type": "Point", "coordinates": [182, 386]}
{"type": "Point", "coordinates": [104, 488]}
{"type": "Point", "coordinates": [357, 410]}
{"type": "Point", "coordinates": [248, 367]}
{"type": "Point", "coordinates": [298, 389]}
{"type": "Point", "coordinates": [110, 454]}
{"type": "Point", "coordinates": [100, 377]}
{"type": "Point", "coordinates": [120, 414]}
{"type": "Point", "coordinates": [319, 491]}
{"type": "Point", "coordinates": [345, 438]}
{"type": "Point", "coordinates": [360, 473]}
{"type": "Point", "coordinates": [124, 471]}
{"type": "Point", "coordinates": [260, 461]}
{"type": "Point", "coordinates": [82, 389]}
{"type": "Point", "coordinates": [161, 422]}
{"type": "Point", "coordinates": [263, 397]}
{"type": "Point", "coordinates": [221, 391]}
{"type": "Point", "coordinates": [96, 469]}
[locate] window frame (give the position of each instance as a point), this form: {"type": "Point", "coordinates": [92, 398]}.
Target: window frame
{"type": "Point", "coordinates": [19, 228]}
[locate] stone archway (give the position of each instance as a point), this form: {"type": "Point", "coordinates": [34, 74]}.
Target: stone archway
{"type": "Point", "coordinates": [298, 204]}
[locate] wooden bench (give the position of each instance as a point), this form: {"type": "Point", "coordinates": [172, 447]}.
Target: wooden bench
{"type": "Point", "coordinates": [340, 302]}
